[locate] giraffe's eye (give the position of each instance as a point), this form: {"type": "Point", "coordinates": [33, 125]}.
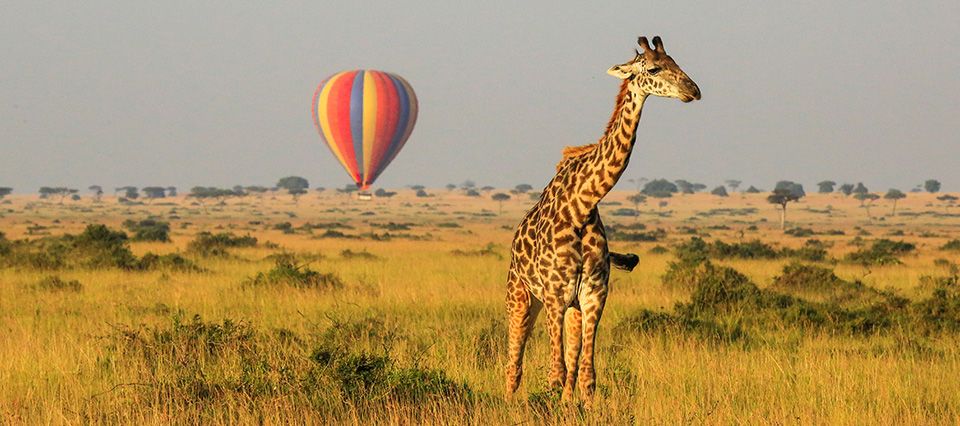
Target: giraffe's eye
{"type": "Point", "coordinates": [653, 71]}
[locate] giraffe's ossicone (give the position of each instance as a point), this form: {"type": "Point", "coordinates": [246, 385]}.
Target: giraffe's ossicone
{"type": "Point", "coordinates": [560, 262]}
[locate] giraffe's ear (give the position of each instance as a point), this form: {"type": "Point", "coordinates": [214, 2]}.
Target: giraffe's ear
{"type": "Point", "coordinates": [621, 71]}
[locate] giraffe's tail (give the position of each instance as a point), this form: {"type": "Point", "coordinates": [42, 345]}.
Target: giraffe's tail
{"type": "Point", "coordinates": [625, 262]}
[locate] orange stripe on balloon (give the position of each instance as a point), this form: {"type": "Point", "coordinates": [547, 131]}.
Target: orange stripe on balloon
{"type": "Point", "coordinates": [323, 119]}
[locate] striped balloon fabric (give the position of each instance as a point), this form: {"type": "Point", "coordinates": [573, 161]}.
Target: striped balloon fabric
{"type": "Point", "coordinates": [365, 117]}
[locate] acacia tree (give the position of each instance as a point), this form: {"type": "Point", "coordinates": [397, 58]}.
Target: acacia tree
{"type": "Point", "coordinates": [97, 192]}
{"type": "Point", "coordinates": [153, 192]}
{"type": "Point", "coordinates": [719, 191]}
{"type": "Point", "coordinates": [869, 198]}
{"type": "Point", "coordinates": [171, 191]}
{"type": "Point", "coordinates": [733, 184]}
{"type": "Point", "coordinates": [846, 189]}
{"type": "Point", "coordinates": [949, 200]}
{"type": "Point", "coordinates": [894, 195]}
{"type": "Point", "coordinates": [931, 185]}
{"type": "Point", "coordinates": [826, 186]}
{"type": "Point", "coordinates": [860, 189]}
{"type": "Point", "coordinates": [4, 191]}
{"type": "Point", "coordinates": [784, 193]}
{"type": "Point", "coordinates": [637, 199]}
{"type": "Point", "coordinates": [295, 186]}
{"type": "Point", "coordinates": [523, 188]}
{"type": "Point", "coordinates": [500, 198]}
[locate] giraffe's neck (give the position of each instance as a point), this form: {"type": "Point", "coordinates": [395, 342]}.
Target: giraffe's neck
{"type": "Point", "coordinates": [606, 164]}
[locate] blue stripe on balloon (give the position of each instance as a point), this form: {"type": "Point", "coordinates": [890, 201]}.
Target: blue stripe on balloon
{"type": "Point", "coordinates": [356, 120]}
{"type": "Point", "coordinates": [403, 102]}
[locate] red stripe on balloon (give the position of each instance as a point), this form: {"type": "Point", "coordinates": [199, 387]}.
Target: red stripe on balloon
{"type": "Point", "coordinates": [387, 111]}
{"type": "Point", "coordinates": [338, 110]}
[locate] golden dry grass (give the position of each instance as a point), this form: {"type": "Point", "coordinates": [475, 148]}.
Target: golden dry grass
{"type": "Point", "coordinates": [66, 358]}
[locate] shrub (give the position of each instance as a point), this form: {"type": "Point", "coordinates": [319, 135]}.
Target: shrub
{"type": "Point", "coordinates": [55, 283]}
{"type": "Point", "coordinates": [881, 252]}
{"type": "Point", "coordinates": [148, 230]}
{"type": "Point", "coordinates": [363, 254]}
{"type": "Point", "coordinates": [208, 244]}
{"type": "Point", "coordinates": [951, 245]}
{"type": "Point", "coordinates": [286, 271]}
{"type": "Point", "coordinates": [172, 261]}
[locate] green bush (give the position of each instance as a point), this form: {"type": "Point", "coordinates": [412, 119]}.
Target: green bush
{"type": "Point", "coordinates": [286, 271]}
{"type": "Point", "coordinates": [951, 245]}
{"type": "Point", "coordinates": [148, 230]}
{"type": "Point", "coordinates": [881, 252]}
{"type": "Point", "coordinates": [208, 244]}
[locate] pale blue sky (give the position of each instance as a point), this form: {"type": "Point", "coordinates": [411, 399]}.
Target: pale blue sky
{"type": "Point", "coordinates": [176, 93]}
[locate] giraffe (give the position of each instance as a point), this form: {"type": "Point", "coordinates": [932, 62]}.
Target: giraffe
{"type": "Point", "coordinates": [560, 261]}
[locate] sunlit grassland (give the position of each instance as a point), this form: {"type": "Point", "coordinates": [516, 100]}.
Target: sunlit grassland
{"type": "Point", "coordinates": [68, 356]}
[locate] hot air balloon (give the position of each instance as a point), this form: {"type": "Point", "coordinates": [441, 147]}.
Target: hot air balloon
{"type": "Point", "coordinates": [365, 117]}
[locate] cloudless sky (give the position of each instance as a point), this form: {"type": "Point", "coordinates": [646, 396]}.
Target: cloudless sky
{"type": "Point", "coordinates": [218, 93]}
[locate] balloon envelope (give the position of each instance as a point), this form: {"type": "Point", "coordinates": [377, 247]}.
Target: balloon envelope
{"type": "Point", "coordinates": [365, 117]}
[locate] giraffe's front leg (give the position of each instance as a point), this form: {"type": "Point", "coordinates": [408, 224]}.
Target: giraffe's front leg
{"type": "Point", "coordinates": [555, 308]}
{"type": "Point", "coordinates": [572, 326]}
{"type": "Point", "coordinates": [593, 297]}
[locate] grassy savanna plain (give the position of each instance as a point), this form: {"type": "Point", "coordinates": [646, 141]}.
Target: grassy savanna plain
{"type": "Point", "coordinates": [392, 311]}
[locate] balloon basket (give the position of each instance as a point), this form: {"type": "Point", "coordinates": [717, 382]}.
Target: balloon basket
{"type": "Point", "coordinates": [364, 196]}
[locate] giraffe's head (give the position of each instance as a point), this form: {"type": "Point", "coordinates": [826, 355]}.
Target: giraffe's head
{"type": "Point", "coordinates": [653, 72]}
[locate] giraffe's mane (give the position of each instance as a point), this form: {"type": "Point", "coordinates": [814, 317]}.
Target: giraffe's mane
{"type": "Point", "coordinates": [576, 151]}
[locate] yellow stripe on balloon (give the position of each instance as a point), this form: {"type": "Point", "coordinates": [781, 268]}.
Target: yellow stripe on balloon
{"type": "Point", "coordinates": [369, 123]}
{"type": "Point", "coordinates": [323, 104]}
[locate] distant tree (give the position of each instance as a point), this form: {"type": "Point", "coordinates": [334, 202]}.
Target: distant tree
{"type": "Point", "coordinates": [422, 193]}
{"type": "Point", "coordinates": [637, 199]}
{"type": "Point", "coordinates": [130, 193]}
{"type": "Point", "coordinates": [239, 191]}
{"type": "Point", "coordinates": [154, 192]}
{"type": "Point", "coordinates": [46, 192]}
{"type": "Point", "coordinates": [784, 193]}
{"type": "Point", "coordinates": [500, 198]}
{"type": "Point", "coordinates": [451, 187]}
{"type": "Point", "coordinates": [384, 193]}
{"type": "Point", "coordinates": [417, 187]}
{"type": "Point", "coordinates": [826, 186]}
{"type": "Point", "coordinates": [894, 195]}
{"type": "Point", "coordinates": [931, 185]}
{"type": "Point", "coordinates": [60, 191]}
{"type": "Point", "coordinates": [256, 190]}
{"type": "Point", "coordinates": [697, 187]}
{"type": "Point", "coordinates": [719, 191]}
{"type": "Point", "coordinates": [171, 191]}
{"type": "Point", "coordinates": [860, 189]}
{"type": "Point", "coordinates": [203, 193]}
{"type": "Point", "coordinates": [638, 182]}
{"type": "Point", "coordinates": [319, 189]}
{"type": "Point", "coordinates": [472, 193]}
{"type": "Point", "coordinates": [846, 189]}
{"type": "Point", "coordinates": [659, 188]}
{"type": "Point", "coordinates": [753, 190]}
{"type": "Point", "coordinates": [949, 200]}
{"type": "Point", "coordinates": [869, 198]}
{"type": "Point", "coordinates": [295, 186]}
{"type": "Point", "coordinates": [4, 191]}
{"type": "Point", "coordinates": [468, 185]}
{"type": "Point", "coordinates": [684, 186]}
{"type": "Point", "coordinates": [348, 189]}
{"type": "Point", "coordinates": [97, 191]}
{"type": "Point", "coordinates": [733, 184]}
{"type": "Point", "coordinates": [918, 188]}
{"type": "Point", "coordinates": [75, 197]}
{"type": "Point", "coordinates": [487, 188]}
{"type": "Point", "coordinates": [523, 188]}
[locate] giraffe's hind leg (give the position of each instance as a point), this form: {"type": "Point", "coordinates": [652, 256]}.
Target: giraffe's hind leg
{"type": "Point", "coordinates": [522, 310]}
{"type": "Point", "coordinates": [572, 335]}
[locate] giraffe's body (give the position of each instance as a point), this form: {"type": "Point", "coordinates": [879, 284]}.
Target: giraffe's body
{"type": "Point", "coordinates": [560, 260]}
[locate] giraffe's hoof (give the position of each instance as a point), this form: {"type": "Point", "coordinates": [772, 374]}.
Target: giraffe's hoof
{"type": "Point", "coordinates": [624, 262]}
